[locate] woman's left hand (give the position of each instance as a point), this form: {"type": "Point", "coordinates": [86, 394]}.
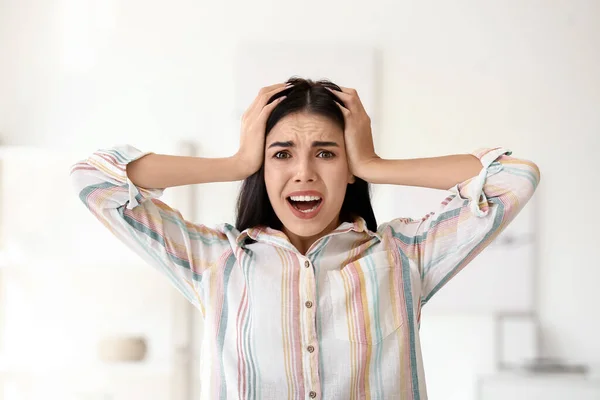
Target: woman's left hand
{"type": "Point", "coordinates": [357, 135]}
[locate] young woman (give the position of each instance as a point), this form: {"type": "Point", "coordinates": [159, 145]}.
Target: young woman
{"type": "Point", "coordinates": [306, 297]}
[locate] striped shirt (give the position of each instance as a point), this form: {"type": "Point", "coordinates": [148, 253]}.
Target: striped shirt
{"type": "Point", "coordinates": [339, 322]}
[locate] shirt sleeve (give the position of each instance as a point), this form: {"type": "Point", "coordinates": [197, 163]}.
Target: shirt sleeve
{"type": "Point", "coordinates": [442, 243]}
{"type": "Point", "coordinates": [181, 250]}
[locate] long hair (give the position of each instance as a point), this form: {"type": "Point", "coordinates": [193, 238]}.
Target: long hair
{"type": "Point", "coordinates": [253, 205]}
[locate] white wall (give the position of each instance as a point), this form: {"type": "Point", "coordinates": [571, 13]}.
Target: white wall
{"type": "Point", "coordinates": [455, 76]}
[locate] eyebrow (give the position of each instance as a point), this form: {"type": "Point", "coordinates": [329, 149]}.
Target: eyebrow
{"type": "Point", "coordinates": [314, 144]}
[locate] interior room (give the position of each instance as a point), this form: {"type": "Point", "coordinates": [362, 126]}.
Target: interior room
{"type": "Point", "coordinates": [84, 317]}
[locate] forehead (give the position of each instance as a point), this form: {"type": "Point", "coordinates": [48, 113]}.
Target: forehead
{"type": "Point", "coordinates": [305, 127]}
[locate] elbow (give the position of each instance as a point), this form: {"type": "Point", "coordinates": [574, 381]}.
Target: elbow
{"type": "Point", "coordinates": [538, 173]}
{"type": "Point", "coordinates": [528, 169]}
{"type": "Point", "coordinates": [531, 173]}
{"type": "Point", "coordinates": [534, 170]}
{"type": "Point", "coordinates": [77, 174]}
{"type": "Point", "coordinates": [83, 181]}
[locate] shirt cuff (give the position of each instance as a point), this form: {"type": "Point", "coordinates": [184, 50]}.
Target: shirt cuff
{"type": "Point", "coordinates": [114, 163]}
{"type": "Point", "coordinates": [490, 166]}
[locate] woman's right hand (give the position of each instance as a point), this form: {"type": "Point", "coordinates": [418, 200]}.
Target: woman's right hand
{"type": "Point", "coordinates": [254, 122]}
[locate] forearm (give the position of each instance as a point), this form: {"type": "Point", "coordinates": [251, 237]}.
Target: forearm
{"type": "Point", "coordinates": [436, 172]}
{"type": "Point", "coordinates": [155, 171]}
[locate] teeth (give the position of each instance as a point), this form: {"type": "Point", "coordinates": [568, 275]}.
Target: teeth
{"type": "Point", "coordinates": [307, 211]}
{"type": "Point", "coordinates": [305, 198]}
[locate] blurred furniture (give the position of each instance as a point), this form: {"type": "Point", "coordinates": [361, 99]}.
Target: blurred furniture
{"type": "Point", "coordinates": [516, 386]}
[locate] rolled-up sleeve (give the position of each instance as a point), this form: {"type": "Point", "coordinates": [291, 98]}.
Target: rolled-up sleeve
{"type": "Point", "coordinates": [181, 250]}
{"type": "Point", "coordinates": [474, 213]}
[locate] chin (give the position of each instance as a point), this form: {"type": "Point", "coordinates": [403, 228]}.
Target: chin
{"type": "Point", "coordinates": [308, 226]}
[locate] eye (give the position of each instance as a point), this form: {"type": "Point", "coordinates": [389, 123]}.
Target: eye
{"type": "Point", "coordinates": [281, 155]}
{"type": "Point", "coordinates": [325, 154]}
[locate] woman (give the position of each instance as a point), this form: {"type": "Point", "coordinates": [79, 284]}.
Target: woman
{"type": "Point", "coordinates": [306, 297]}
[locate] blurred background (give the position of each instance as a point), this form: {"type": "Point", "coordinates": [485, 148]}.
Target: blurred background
{"type": "Point", "coordinates": [82, 318]}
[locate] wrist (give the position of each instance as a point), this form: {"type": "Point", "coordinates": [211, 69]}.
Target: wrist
{"type": "Point", "coordinates": [367, 168]}
{"type": "Point", "coordinates": [243, 166]}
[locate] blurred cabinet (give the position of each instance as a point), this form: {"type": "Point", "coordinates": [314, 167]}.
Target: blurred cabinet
{"type": "Point", "coordinates": [538, 387]}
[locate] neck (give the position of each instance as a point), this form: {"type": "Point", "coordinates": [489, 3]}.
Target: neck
{"type": "Point", "coordinates": [303, 243]}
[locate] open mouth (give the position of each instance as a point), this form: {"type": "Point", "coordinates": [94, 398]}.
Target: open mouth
{"type": "Point", "coordinates": [305, 204]}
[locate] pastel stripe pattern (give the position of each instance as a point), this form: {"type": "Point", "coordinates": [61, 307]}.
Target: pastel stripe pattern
{"type": "Point", "coordinates": [339, 322]}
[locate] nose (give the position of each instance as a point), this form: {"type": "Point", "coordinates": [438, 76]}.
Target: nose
{"type": "Point", "coordinates": [305, 172]}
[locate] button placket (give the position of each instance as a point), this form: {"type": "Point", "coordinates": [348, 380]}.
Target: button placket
{"type": "Point", "coordinates": [309, 304]}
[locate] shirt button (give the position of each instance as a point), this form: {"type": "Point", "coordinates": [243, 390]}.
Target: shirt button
{"type": "Point", "coordinates": [310, 349]}
{"type": "Point", "coordinates": [306, 264]}
{"type": "Point", "coordinates": [308, 304]}
{"type": "Point", "coordinates": [312, 395]}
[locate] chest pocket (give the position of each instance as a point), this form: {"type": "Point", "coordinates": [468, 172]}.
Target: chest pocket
{"type": "Point", "coordinates": [363, 294]}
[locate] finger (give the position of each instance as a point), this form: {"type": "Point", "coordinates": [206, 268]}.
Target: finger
{"type": "Point", "coordinates": [264, 95]}
{"type": "Point", "coordinates": [270, 88]}
{"type": "Point", "coordinates": [339, 95]}
{"type": "Point", "coordinates": [267, 95]}
{"type": "Point", "coordinates": [345, 97]}
{"type": "Point", "coordinates": [344, 110]}
{"type": "Point", "coordinates": [266, 111]}
{"type": "Point", "coordinates": [350, 98]}
{"type": "Point", "coordinates": [350, 102]}
{"type": "Point", "coordinates": [274, 103]}
{"type": "Point", "coordinates": [350, 91]}
{"type": "Point", "coordinates": [336, 92]}
{"type": "Point", "coordinates": [265, 103]}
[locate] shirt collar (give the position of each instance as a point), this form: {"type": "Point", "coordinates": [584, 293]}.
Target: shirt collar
{"type": "Point", "coordinates": [277, 237]}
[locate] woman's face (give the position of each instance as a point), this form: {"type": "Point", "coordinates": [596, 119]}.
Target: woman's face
{"type": "Point", "coordinates": [306, 173]}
